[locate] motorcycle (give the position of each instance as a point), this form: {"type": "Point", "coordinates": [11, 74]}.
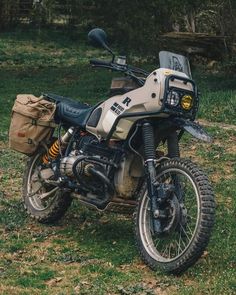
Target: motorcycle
{"type": "Point", "coordinates": [110, 159]}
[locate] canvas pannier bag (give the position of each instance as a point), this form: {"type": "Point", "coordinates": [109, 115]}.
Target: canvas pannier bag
{"type": "Point", "coordinates": [31, 123]}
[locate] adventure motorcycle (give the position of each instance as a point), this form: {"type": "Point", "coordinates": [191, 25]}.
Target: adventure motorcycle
{"type": "Point", "coordinates": [110, 158]}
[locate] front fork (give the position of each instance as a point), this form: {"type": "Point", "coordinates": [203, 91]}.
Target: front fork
{"type": "Point", "coordinates": [158, 192]}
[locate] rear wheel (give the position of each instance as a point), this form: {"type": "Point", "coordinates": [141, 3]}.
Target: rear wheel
{"type": "Point", "coordinates": [43, 201]}
{"type": "Point", "coordinates": [188, 222]}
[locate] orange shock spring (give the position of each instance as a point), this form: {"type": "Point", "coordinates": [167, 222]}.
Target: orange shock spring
{"type": "Point", "coordinates": [54, 150]}
{"type": "Point", "coordinates": [52, 153]}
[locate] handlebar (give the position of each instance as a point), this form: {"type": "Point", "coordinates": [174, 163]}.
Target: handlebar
{"type": "Point", "coordinates": [99, 63]}
{"type": "Point", "coordinates": [129, 70]}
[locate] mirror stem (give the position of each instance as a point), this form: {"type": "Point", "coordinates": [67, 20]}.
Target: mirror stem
{"type": "Point", "coordinates": [109, 50]}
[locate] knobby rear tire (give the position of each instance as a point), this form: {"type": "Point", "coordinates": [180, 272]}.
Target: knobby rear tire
{"type": "Point", "coordinates": [203, 227]}
{"type": "Point", "coordinates": [57, 207]}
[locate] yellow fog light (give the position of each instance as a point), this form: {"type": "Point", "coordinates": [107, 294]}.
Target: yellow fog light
{"type": "Point", "coordinates": [186, 102]}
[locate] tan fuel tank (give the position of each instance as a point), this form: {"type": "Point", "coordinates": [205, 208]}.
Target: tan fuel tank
{"type": "Point", "coordinates": [147, 98]}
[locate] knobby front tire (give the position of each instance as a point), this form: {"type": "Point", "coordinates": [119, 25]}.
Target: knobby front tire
{"type": "Point", "coordinates": [180, 248]}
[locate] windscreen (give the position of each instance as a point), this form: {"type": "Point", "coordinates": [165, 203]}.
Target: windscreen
{"type": "Point", "coordinates": [173, 61]}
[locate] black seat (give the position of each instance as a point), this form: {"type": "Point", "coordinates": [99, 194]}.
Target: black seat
{"type": "Point", "coordinates": [69, 101]}
{"type": "Point", "coordinates": [69, 111]}
{"type": "Point", "coordinates": [73, 116]}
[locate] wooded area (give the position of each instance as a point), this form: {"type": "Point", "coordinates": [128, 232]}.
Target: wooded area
{"type": "Point", "coordinates": [206, 28]}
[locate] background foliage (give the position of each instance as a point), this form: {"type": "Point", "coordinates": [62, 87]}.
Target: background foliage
{"type": "Point", "coordinates": [136, 24]}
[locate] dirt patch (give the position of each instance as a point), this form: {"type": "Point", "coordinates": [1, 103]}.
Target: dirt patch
{"type": "Point", "coordinates": [217, 124]}
{"type": "Point", "coordinates": [231, 149]}
{"type": "Point", "coordinates": [3, 145]}
{"type": "Point", "coordinates": [15, 290]}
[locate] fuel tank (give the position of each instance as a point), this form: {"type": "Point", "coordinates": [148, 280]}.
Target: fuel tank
{"type": "Point", "coordinates": [145, 99]}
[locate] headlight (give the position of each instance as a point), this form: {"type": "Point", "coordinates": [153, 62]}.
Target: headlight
{"type": "Point", "coordinates": [173, 98]}
{"type": "Point", "coordinates": [186, 102]}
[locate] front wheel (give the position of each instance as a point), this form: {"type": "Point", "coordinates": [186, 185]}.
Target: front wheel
{"type": "Point", "coordinates": [188, 222]}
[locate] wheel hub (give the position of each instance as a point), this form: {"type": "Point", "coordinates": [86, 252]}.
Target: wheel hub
{"type": "Point", "coordinates": [168, 216]}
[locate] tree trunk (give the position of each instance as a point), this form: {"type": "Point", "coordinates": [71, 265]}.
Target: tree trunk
{"type": "Point", "coordinates": [210, 46]}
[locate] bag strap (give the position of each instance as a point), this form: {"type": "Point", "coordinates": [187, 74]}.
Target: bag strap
{"type": "Point", "coordinates": [43, 123]}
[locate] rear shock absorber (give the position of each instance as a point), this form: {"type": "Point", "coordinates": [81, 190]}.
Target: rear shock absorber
{"type": "Point", "coordinates": [54, 149]}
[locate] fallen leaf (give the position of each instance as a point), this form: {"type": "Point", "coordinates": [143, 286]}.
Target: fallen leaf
{"type": "Point", "coordinates": [77, 289]}
{"type": "Point", "coordinates": [216, 156]}
{"type": "Point", "coordinates": [84, 282]}
{"type": "Point", "coordinates": [54, 281]}
{"type": "Point", "coordinates": [205, 254]}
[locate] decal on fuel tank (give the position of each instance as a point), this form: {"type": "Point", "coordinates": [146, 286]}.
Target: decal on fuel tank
{"type": "Point", "coordinates": [127, 101]}
{"type": "Point", "coordinates": [117, 109]}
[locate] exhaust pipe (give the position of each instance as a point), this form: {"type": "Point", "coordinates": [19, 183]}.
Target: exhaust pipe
{"type": "Point", "coordinates": [98, 174]}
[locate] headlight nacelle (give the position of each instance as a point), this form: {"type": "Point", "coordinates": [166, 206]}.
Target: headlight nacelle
{"type": "Point", "coordinates": [178, 99]}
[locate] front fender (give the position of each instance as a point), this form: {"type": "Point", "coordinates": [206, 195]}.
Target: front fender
{"type": "Point", "coordinates": [193, 128]}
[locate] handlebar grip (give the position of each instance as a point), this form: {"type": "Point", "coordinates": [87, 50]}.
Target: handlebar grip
{"type": "Point", "coordinates": [97, 62]}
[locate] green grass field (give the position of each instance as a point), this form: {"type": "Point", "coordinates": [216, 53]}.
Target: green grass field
{"type": "Point", "coordinates": [88, 252]}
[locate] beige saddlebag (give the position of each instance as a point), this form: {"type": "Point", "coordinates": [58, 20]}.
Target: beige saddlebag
{"type": "Point", "coordinates": [31, 123]}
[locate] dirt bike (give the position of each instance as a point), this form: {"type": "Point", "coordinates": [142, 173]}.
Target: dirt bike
{"type": "Point", "coordinates": [110, 159]}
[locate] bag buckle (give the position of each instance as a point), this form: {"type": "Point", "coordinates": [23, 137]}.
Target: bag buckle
{"type": "Point", "coordinates": [34, 122]}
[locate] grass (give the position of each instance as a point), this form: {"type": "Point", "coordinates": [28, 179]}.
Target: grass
{"type": "Point", "coordinates": [88, 252]}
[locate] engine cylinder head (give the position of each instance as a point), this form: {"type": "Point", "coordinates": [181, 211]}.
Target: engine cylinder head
{"type": "Point", "coordinates": [67, 163]}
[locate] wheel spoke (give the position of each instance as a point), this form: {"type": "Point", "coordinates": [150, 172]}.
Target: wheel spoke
{"type": "Point", "coordinates": [179, 242]}
{"type": "Point", "coordinates": [185, 232]}
{"type": "Point", "coordinates": [190, 230]}
{"type": "Point", "coordinates": [45, 196]}
{"type": "Point", "coordinates": [169, 251]}
{"type": "Point", "coordinates": [166, 249]}
{"type": "Point", "coordinates": [157, 242]}
{"type": "Point", "coordinates": [191, 217]}
{"type": "Point", "coordinates": [30, 195]}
